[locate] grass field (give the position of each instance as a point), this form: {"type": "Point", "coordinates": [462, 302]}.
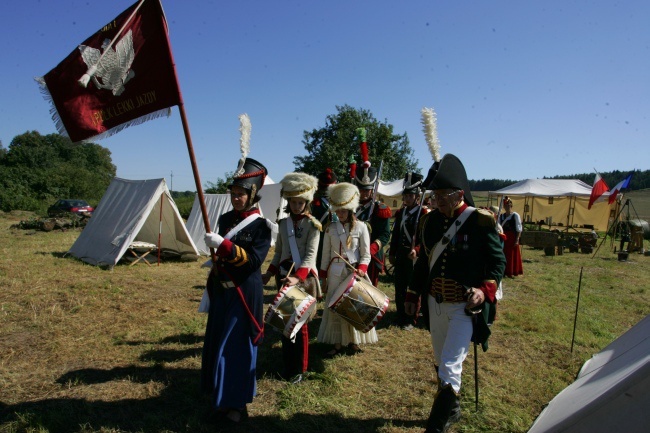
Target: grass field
{"type": "Point", "coordinates": [89, 350]}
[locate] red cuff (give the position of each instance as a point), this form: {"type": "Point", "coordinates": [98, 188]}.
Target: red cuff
{"type": "Point", "coordinates": [489, 289]}
{"type": "Point", "coordinates": [302, 273]}
{"type": "Point", "coordinates": [374, 248]}
{"type": "Point", "coordinates": [225, 249]}
{"type": "Point", "coordinates": [363, 268]}
{"type": "Point", "coordinates": [272, 270]}
{"type": "Point", "coordinates": [322, 274]}
{"type": "Point", "coordinates": [503, 236]}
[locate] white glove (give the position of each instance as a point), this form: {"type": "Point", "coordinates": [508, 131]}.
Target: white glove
{"type": "Point", "coordinates": [213, 240]}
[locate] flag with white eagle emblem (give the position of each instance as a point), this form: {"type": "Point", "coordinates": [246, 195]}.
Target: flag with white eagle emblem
{"type": "Point", "coordinates": [120, 76]}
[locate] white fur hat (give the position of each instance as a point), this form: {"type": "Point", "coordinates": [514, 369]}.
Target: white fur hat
{"type": "Point", "coordinates": [300, 185]}
{"type": "Point", "coordinates": [344, 195]}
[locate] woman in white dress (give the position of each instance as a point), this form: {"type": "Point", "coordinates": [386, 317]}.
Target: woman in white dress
{"type": "Point", "coordinates": [347, 238]}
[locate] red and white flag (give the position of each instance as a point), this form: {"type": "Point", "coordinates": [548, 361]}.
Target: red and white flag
{"type": "Point", "coordinates": [599, 188]}
{"type": "Point", "coordinates": [122, 75]}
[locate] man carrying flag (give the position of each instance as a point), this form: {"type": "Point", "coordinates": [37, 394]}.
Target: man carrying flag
{"type": "Point", "coordinates": [599, 188]}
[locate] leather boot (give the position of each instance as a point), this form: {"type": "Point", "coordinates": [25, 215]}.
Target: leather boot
{"type": "Point", "coordinates": [445, 403]}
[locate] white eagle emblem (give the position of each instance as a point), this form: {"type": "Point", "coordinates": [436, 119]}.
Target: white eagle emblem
{"type": "Point", "coordinates": [110, 70]}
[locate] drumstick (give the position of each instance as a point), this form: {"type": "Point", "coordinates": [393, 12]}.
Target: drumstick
{"type": "Point", "coordinates": [346, 262]}
{"type": "Point", "coordinates": [352, 267]}
{"type": "Point", "coordinates": [289, 273]}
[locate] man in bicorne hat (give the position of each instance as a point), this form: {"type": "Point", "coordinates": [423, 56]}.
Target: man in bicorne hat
{"type": "Point", "coordinates": [377, 216]}
{"type": "Point", "coordinates": [459, 267]}
{"type": "Point", "coordinates": [402, 242]}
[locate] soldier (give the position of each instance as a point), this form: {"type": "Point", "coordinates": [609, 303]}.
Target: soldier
{"type": "Point", "coordinates": [321, 209]}
{"type": "Point", "coordinates": [402, 242]}
{"type": "Point", "coordinates": [296, 248]}
{"type": "Point", "coordinates": [377, 215]}
{"type": "Point", "coordinates": [459, 267]}
{"type": "Point", "coordinates": [235, 319]}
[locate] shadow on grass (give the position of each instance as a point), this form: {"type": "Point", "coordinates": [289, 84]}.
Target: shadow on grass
{"type": "Point", "coordinates": [176, 411]}
{"type": "Point", "coordinates": [179, 407]}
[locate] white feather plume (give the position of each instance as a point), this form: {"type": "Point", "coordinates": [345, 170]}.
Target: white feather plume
{"type": "Point", "coordinates": [244, 141]}
{"type": "Point", "coordinates": [430, 128]}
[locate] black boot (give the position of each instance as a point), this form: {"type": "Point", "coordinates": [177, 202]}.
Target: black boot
{"type": "Point", "coordinates": [444, 406]}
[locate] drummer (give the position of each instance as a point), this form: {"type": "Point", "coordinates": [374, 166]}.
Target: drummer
{"type": "Point", "coordinates": [296, 248]}
{"type": "Point", "coordinates": [346, 244]}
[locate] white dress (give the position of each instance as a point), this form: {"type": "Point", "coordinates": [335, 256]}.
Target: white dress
{"type": "Point", "coordinates": [334, 329]}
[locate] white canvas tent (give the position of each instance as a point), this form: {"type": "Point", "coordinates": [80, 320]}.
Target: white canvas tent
{"type": "Point", "coordinates": [557, 201]}
{"type": "Point", "coordinates": [132, 211]}
{"type": "Point", "coordinates": [611, 392]}
{"type": "Point", "coordinates": [216, 204]}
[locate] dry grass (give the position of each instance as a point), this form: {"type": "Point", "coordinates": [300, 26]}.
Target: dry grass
{"type": "Point", "coordinates": [89, 350]}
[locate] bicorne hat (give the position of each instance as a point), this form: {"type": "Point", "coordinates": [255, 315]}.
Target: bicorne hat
{"type": "Point", "coordinates": [449, 173]}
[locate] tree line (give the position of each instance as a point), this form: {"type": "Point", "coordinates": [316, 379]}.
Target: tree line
{"type": "Point", "coordinates": [36, 170]}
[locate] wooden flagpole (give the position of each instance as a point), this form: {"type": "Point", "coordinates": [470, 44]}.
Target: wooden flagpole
{"type": "Point", "coordinates": [195, 171]}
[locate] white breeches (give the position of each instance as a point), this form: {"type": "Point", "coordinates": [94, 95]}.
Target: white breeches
{"type": "Point", "coordinates": [451, 332]}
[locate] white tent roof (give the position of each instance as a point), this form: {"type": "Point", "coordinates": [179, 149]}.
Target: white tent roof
{"type": "Point", "coordinates": [611, 392]}
{"type": "Point", "coordinates": [391, 189]}
{"type": "Point", "coordinates": [547, 188]}
{"type": "Point", "coordinates": [216, 204]}
{"type": "Point", "coordinates": [130, 211]}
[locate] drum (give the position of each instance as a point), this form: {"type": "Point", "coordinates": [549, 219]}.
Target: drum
{"type": "Point", "coordinates": [360, 303]}
{"type": "Point", "coordinates": [291, 308]}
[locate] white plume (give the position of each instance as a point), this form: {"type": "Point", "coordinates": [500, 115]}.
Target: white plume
{"type": "Point", "coordinates": [430, 128]}
{"type": "Point", "coordinates": [244, 141]}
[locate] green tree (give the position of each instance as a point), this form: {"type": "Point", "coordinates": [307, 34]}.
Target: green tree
{"type": "Point", "coordinates": [220, 186]}
{"type": "Point", "coordinates": [38, 169]}
{"type": "Point", "coordinates": [336, 143]}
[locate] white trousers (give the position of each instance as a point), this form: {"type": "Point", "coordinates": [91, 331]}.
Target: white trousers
{"type": "Point", "coordinates": [451, 333]}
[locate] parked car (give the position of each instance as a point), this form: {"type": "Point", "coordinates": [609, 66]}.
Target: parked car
{"type": "Point", "coordinates": [69, 205]}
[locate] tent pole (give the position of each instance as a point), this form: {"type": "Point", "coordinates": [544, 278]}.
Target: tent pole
{"type": "Point", "coordinates": [195, 172]}
{"type": "Point", "coordinates": [162, 197]}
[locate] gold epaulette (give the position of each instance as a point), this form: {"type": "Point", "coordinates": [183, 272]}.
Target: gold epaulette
{"type": "Point", "coordinates": [485, 218]}
{"type": "Point", "coordinates": [316, 223]}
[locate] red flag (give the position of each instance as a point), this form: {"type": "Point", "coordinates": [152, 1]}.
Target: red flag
{"type": "Point", "coordinates": [599, 188]}
{"type": "Point", "coordinates": [129, 71]}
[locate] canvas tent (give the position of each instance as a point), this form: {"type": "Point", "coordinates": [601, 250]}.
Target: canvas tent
{"type": "Point", "coordinates": [611, 392]}
{"type": "Point", "coordinates": [132, 211]}
{"type": "Point", "coordinates": [557, 202]}
{"type": "Point", "coordinates": [216, 204]}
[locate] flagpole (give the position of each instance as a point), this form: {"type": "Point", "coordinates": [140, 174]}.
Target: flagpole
{"type": "Point", "coordinates": [190, 147]}
{"type": "Point", "coordinates": [195, 171]}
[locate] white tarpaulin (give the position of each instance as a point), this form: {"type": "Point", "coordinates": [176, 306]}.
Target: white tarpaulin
{"type": "Point", "coordinates": [611, 392]}
{"type": "Point", "coordinates": [132, 211]}
{"type": "Point", "coordinates": [216, 204]}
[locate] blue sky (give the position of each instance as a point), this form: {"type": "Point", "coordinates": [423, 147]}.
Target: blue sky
{"type": "Point", "coordinates": [522, 89]}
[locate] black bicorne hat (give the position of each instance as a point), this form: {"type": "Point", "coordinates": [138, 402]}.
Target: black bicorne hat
{"type": "Point", "coordinates": [449, 173]}
{"type": "Point", "coordinates": [365, 177]}
{"type": "Point", "coordinates": [250, 177]}
{"type": "Point", "coordinates": [412, 183]}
